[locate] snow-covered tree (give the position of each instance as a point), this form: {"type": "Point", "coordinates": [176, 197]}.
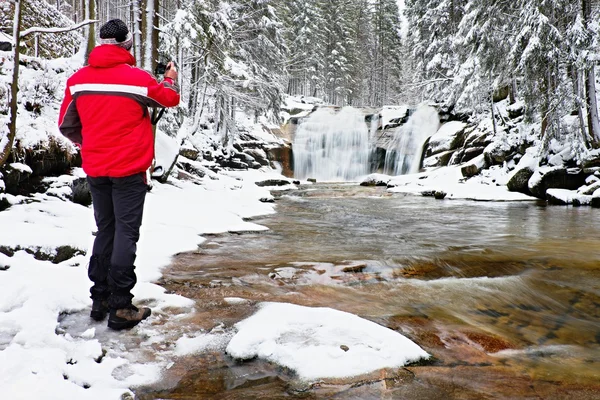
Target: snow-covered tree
{"type": "Point", "coordinates": [433, 25]}
{"type": "Point", "coordinates": [362, 54]}
{"type": "Point", "coordinates": [235, 53]}
{"type": "Point", "coordinates": [536, 55]}
{"type": "Point", "coordinates": [591, 54]}
{"type": "Point", "coordinates": [39, 13]}
{"type": "Point", "coordinates": [339, 42]}
{"type": "Point", "coordinates": [304, 37]}
{"type": "Point", "coordinates": [6, 145]}
{"type": "Point", "coordinates": [387, 51]}
{"type": "Point", "coordinates": [257, 35]}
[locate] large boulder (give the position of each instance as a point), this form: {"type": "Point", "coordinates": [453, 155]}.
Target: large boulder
{"type": "Point", "coordinates": [258, 155]}
{"type": "Point", "coordinates": [474, 167]}
{"type": "Point", "coordinates": [478, 136]}
{"type": "Point", "coordinates": [501, 93]}
{"type": "Point", "coordinates": [450, 136]}
{"type": "Point", "coordinates": [516, 110]}
{"type": "Point", "coordinates": [376, 180]}
{"type": "Point", "coordinates": [555, 178]}
{"type": "Point", "coordinates": [565, 197]}
{"type": "Point", "coordinates": [16, 177]}
{"type": "Point", "coordinates": [283, 156]}
{"type": "Point", "coordinates": [464, 155]}
{"type": "Point", "coordinates": [519, 182]}
{"type": "Point", "coordinates": [438, 160]}
{"type": "Point", "coordinates": [189, 152]}
{"type": "Point", "coordinates": [81, 192]}
{"type": "Point", "coordinates": [273, 182]}
{"type": "Point", "coordinates": [592, 161]}
{"type": "Point", "coordinates": [590, 189]}
{"type": "Point", "coordinates": [498, 152]}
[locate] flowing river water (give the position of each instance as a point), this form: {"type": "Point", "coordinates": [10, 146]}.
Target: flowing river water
{"type": "Point", "coordinates": [504, 295]}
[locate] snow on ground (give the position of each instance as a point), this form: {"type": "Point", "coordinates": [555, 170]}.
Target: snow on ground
{"type": "Point", "coordinates": [490, 186]}
{"type": "Point", "coordinates": [320, 342]}
{"type": "Point", "coordinates": [38, 359]}
{"type": "Point", "coordinates": [49, 346]}
{"type": "Point", "coordinates": [35, 361]}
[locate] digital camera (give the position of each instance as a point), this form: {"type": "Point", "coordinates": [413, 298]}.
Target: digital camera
{"type": "Point", "coordinates": [160, 69]}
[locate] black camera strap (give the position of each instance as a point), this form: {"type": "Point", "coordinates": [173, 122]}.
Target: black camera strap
{"type": "Point", "coordinates": [156, 115]}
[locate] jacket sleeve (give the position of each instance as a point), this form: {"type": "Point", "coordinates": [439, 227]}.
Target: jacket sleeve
{"type": "Point", "coordinates": [69, 123]}
{"type": "Point", "coordinates": [163, 94]}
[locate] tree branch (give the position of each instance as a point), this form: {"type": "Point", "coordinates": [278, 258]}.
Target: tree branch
{"type": "Point", "coordinates": [57, 30]}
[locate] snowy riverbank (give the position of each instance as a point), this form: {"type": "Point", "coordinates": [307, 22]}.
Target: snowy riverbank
{"type": "Point", "coordinates": [51, 349]}
{"type": "Point", "coordinates": [35, 361]}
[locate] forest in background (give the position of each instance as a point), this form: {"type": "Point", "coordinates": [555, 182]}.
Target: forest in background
{"type": "Point", "coordinates": [245, 55]}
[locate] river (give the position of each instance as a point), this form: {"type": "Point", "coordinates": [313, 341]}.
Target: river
{"type": "Point", "coordinates": [504, 295]}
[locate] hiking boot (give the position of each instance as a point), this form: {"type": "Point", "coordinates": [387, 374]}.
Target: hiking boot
{"type": "Point", "coordinates": [125, 318]}
{"type": "Point", "coordinates": [99, 309]}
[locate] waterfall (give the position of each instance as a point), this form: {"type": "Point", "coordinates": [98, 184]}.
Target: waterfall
{"type": "Point", "coordinates": [337, 146]}
{"type": "Point", "coordinates": [403, 155]}
{"type": "Point", "coordinates": [332, 146]}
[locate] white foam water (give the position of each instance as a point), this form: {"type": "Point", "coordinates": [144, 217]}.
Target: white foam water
{"type": "Point", "coordinates": [404, 154]}
{"type": "Point", "coordinates": [335, 146]}
{"type": "Point", "coordinates": [332, 146]}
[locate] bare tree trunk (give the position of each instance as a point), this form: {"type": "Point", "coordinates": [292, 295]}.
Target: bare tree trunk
{"type": "Point", "coordinates": [199, 109]}
{"type": "Point", "coordinates": [548, 114]}
{"type": "Point", "coordinates": [89, 8]}
{"type": "Point", "coordinates": [493, 112]}
{"type": "Point", "coordinates": [193, 96]}
{"type": "Point", "coordinates": [155, 31]}
{"type": "Point", "coordinates": [223, 120]}
{"type": "Point", "coordinates": [217, 122]}
{"type": "Point", "coordinates": [577, 77]}
{"type": "Point", "coordinates": [513, 90]}
{"type": "Point", "coordinates": [145, 33]}
{"type": "Point", "coordinates": [137, 31]}
{"type": "Point", "coordinates": [593, 122]}
{"type": "Point", "coordinates": [592, 103]}
{"type": "Point", "coordinates": [12, 125]}
{"type": "Point", "coordinates": [75, 11]}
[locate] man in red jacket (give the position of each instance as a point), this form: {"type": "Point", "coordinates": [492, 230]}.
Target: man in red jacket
{"type": "Point", "coordinates": [105, 112]}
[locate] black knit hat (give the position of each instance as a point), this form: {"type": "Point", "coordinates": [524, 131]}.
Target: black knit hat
{"type": "Point", "coordinates": [115, 32]}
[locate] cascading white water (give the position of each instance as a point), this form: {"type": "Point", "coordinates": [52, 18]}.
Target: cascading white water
{"type": "Point", "coordinates": [332, 146]}
{"type": "Point", "coordinates": [404, 153]}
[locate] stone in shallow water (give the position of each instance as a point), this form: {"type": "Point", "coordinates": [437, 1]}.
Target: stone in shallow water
{"type": "Point", "coordinates": [273, 182]}
{"type": "Point", "coordinates": [307, 340]}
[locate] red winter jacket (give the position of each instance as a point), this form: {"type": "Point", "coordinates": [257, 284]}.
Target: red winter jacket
{"type": "Point", "coordinates": [105, 110]}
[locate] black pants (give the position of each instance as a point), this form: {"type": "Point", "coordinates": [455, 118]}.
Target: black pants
{"type": "Point", "coordinates": [118, 209]}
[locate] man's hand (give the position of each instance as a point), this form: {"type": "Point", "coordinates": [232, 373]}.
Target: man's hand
{"type": "Point", "coordinates": [171, 71]}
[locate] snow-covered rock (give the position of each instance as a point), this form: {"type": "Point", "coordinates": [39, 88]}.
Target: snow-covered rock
{"type": "Point", "coordinates": [375, 180]}
{"type": "Point", "coordinates": [320, 342]}
{"type": "Point", "coordinates": [556, 177]}
{"type": "Point", "coordinates": [446, 138]}
{"type": "Point", "coordinates": [564, 197]}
